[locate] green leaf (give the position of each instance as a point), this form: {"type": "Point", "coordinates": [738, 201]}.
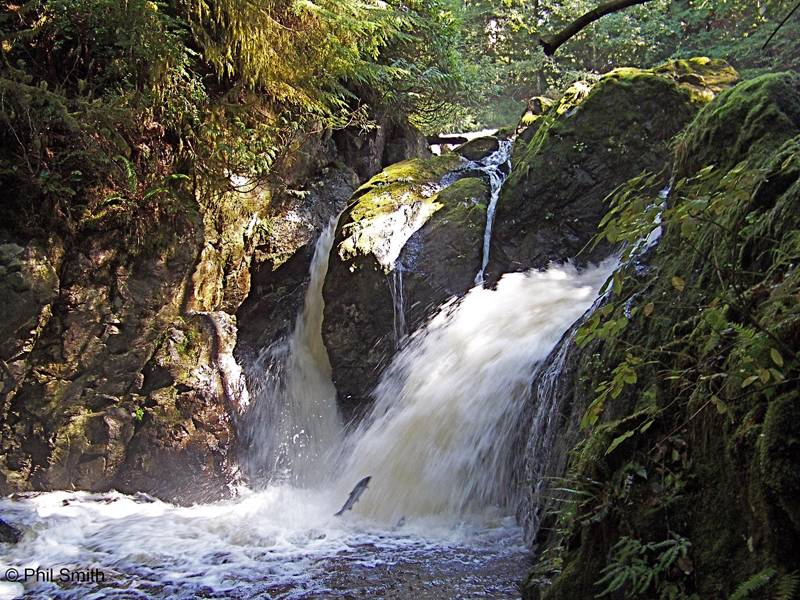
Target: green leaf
{"type": "Point", "coordinates": [722, 408]}
{"type": "Point", "coordinates": [678, 283]}
{"type": "Point", "coordinates": [688, 226]}
{"type": "Point", "coordinates": [618, 441]}
{"type": "Point", "coordinates": [617, 286]}
{"type": "Point", "coordinates": [777, 374]}
{"type": "Point", "coordinates": [776, 357]}
{"type": "Point", "coordinates": [749, 380]}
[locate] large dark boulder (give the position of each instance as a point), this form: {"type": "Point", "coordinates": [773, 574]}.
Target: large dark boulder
{"type": "Point", "coordinates": [479, 148]}
{"type": "Point", "coordinates": [584, 147]}
{"type": "Point", "coordinates": [402, 248]}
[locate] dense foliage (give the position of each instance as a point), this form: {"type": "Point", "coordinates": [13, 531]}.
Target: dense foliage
{"type": "Point", "coordinates": [686, 483]}
{"type": "Point", "coordinates": [502, 37]}
{"type": "Point", "coordinates": [114, 110]}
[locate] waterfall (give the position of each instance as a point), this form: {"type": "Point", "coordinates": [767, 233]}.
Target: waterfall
{"type": "Point", "coordinates": [438, 445]}
{"type": "Point", "coordinates": [545, 454]}
{"type": "Point", "coordinates": [293, 425]}
{"type": "Point", "coordinates": [493, 166]}
{"type": "Point", "coordinates": [438, 439]}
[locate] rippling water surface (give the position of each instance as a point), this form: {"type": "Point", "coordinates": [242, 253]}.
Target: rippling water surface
{"type": "Point", "coordinates": [279, 543]}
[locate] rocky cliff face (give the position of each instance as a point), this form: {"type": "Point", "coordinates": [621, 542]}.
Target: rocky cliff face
{"type": "Point", "coordinates": [89, 319]}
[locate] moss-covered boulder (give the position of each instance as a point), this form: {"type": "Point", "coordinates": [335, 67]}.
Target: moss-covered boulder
{"type": "Point", "coordinates": [479, 148]}
{"type": "Point", "coordinates": [582, 148]}
{"type": "Point", "coordinates": [748, 122]}
{"type": "Point", "coordinates": [402, 247]}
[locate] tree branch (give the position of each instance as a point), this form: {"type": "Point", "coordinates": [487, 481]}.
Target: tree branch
{"type": "Point", "coordinates": [552, 43]}
{"type": "Point", "coordinates": [782, 23]}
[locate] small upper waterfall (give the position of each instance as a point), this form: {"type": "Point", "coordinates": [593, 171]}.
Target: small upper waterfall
{"type": "Point", "coordinates": [494, 169]}
{"type": "Point", "coordinates": [497, 166]}
{"type": "Point", "coordinates": [293, 425]}
{"type": "Point", "coordinates": [398, 302]}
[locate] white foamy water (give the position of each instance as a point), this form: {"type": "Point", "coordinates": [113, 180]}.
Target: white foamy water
{"type": "Point", "coordinates": [438, 439]}
{"type": "Point", "coordinates": [279, 543]}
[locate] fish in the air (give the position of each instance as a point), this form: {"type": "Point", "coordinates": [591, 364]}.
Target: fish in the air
{"type": "Point", "coordinates": [354, 496]}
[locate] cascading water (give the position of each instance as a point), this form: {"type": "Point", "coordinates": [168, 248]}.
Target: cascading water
{"type": "Point", "coordinates": [494, 168]}
{"type": "Point", "coordinates": [497, 166]}
{"type": "Point", "coordinates": [398, 302]}
{"type": "Point", "coordinates": [293, 425]}
{"type": "Point", "coordinates": [438, 439]}
{"type": "Point", "coordinates": [437, 445]}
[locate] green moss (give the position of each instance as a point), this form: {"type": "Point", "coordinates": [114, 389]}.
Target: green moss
{"type": "Point", "coordinates": [703, 78]}
{"type": "Point", "coordinates": [411, 183]}
{"type": "Point", "coordinates": [725, 476]}
{"type": "Point", "coordinates": [746, 122]}
{"type": "Point", "coordinates": [504, 133]}
{"type": "Point", "coordinates": [463, 204]}
{"type": "Point", "coordinates": [470, 191]}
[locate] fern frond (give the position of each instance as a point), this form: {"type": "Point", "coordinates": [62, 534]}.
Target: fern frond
{"type": "Point", "coordinates": [756, 582]}
{"type": "Point", "coordinates": [788, 586]}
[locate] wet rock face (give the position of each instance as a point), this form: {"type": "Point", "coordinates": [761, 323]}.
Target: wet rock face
{"type": "Point", "coordinates": [388, 143]}
{"type": "Point", "coordinates": [72, 400]}
{"type": "Point", "coordinates": [281, 269]}
{"type": "Point", "coordinates": [188, 389]}
{"type": "Point", "coordinates": [9, 534]}
{"type": "Point", "coordinates": [582, 148]}
{"type": "Point", "coordinates": [402, 248]}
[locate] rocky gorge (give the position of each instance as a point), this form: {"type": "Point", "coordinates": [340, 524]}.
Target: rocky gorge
{"type": "Point", "coordinates": [129, 367]}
